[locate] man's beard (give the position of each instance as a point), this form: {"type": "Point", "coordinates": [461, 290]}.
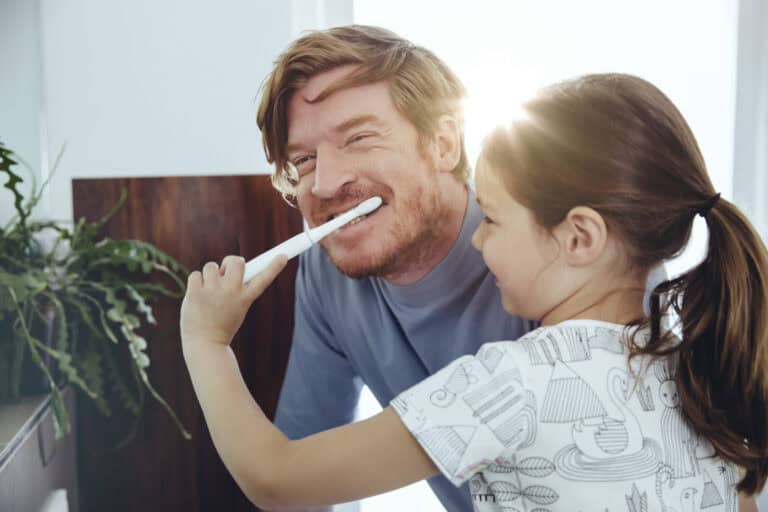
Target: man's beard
{"type": "Point", "coordinates": [409, 240]}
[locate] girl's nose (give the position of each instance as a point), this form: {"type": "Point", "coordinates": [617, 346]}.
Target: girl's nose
{"type": "Point", "coordinates": [477, 241]}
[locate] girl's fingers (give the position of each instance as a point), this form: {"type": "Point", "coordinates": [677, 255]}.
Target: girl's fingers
{"type": "Point", "coordinates": [233, 267]}
{"type": "Point", "coordinates": [256, 286]}
{"type": "Point", "coordinates": [195, 280]}
{"type": "Point", "coordinates": [210, 272]}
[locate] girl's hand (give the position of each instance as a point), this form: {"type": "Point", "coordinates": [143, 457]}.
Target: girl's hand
{"type": "Point", "coordinates": [217, 300]}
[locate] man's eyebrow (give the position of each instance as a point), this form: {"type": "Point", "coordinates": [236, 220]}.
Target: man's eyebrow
{"type": "Point", "coordinates": [356, 121]}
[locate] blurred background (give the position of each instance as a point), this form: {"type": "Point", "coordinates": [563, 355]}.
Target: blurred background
{"type": "Point", "coordinates": [170, 87]}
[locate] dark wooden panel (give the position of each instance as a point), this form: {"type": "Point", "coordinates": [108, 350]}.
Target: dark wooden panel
{"type": "Point", "coordinates": [195, 220]}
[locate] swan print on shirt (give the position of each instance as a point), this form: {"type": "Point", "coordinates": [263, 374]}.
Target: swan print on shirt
{"type": "Point", "coordinates": [556, 421]}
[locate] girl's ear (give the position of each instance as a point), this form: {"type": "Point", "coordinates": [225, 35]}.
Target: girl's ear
{"type": "Point", "coordinates": [447, 139]}
{"type": "Point", "coordinates": [584, 236]}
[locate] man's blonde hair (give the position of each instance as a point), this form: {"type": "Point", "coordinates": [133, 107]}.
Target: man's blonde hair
{"type": "Point", "coordinates": [422, 87]}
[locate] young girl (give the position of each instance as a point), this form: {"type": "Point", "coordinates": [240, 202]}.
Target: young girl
{"type": "Point", "coordinates": [601, 408]}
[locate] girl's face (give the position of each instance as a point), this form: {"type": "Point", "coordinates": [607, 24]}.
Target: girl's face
{"type": "Point", "coordinates": [523, 256]}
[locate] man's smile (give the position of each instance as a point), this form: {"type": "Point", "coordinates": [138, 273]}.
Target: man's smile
{"type": "Point", "coordinates": [359, 225]}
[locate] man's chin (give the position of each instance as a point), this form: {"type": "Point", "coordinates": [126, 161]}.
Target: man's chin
{"type": "Point", "coordinates": [360, 269]}
{"type": "Point", "coordinates": [359, 265]}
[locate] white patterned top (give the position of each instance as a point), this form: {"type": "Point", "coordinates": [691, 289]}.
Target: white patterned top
{"type": "Point", "coordinates": [556, 421]}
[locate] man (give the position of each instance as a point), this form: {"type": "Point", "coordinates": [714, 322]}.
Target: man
{"type": "Point", "coordinates": [350, 113]}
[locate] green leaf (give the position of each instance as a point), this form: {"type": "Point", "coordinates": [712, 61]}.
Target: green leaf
{"type": "Point", "coordinates": [24, 286]}
{"type": "Point", "coordinates": [132, 321]}
{"type": "Point", "coordinates": [61, 418]}
{"type": "Point", "coordinates": [91, 367]}
{"type": "Point", "coordinates": [17, 363]}
{"type": "Point", "coordinates": [66, 367]}
{"type": "Point", "coordinates": [106, 285]}
{"type": "Point", "coordinates": [84, 314]}
{"type": "Point", "coordinates": [6, 162]}
{"type": "Point", "coordinates": [165, 405]}
{"type": "Point", "coordinates": [141, 304]}
{"type": "Point", "coordinates": [102, 316]}
{"type": "Point", "coordinates": [60, 353]}
{"type": "Point", "coordinates": [127, 396]}
{"type": "Point", "coordinates": [61, 424]}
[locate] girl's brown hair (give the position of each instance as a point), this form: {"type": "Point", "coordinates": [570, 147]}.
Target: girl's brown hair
{"type": "Point", "coordinates": [617, 144]}
{"type": "Point", "coordinates": [422, 87]}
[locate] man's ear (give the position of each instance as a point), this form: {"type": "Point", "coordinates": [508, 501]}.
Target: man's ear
{"type": "Point", "coordinates": [583, 235]}
{"type": "Point", "coordinates": [447, 139]}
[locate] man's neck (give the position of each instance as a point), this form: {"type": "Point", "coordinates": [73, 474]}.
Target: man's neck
{"type": "Point", "coordinates": [430, 254]}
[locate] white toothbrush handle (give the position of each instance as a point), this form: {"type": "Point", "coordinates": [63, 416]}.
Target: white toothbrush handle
{"type": "Point", "coordinates": [303, 241]}
{"type": "Point", "coordinates": [291, 247]}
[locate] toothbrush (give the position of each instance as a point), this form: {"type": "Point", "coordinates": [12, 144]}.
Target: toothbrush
{"type": "Point", "coordinates": [303, 241]}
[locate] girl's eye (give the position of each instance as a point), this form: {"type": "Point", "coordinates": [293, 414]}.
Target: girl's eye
{"type": "Point", "coordinates": [302, 159]}
{"type": "Point", "coordinates": [487, 220]}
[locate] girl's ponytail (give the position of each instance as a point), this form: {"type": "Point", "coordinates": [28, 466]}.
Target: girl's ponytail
{"type": "Point", "coordinates": [722, 376]}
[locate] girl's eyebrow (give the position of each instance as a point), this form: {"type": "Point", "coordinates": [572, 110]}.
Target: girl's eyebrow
{"type": "Point", "coordinates": [485, 206]}
{"type": "Point", "coordinates": [290, 148]}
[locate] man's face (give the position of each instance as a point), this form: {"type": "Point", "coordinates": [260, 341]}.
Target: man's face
{"type": "Point", "coordinates": [354, 145]}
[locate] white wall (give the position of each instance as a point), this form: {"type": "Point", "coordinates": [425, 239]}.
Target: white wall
{"type": "Point", "coordinates": [20, 90]}
{"type": "Point", "coordinates": [148, 88]}
{"type": "Point", "coordinates": [751, 140]}
{"type": "Point", "coordinates": [144, 88]}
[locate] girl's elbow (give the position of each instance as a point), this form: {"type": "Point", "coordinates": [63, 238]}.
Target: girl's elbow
{"type": "Point", "coordinates": [263, 495]}
{"type": "Point", "coordinates": [260, 488]}
{"type": "Point", "coordinates": [271, 483]}
{"type": "Point", "coordinates": [270, 491]}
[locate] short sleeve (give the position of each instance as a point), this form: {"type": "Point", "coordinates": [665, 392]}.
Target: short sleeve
{"type": "Point", "coordinates": [471, 413]}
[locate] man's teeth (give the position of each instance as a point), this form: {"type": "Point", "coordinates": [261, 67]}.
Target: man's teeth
{"type": "Point", "coordinates": [357, 219]}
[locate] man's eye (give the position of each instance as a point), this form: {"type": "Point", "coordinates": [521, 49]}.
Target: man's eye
{"type": "Point", "coordinates": [488, 220]}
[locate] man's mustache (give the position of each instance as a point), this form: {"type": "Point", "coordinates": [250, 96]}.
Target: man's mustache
{"type": "Point", "coordinates": [347, 199]}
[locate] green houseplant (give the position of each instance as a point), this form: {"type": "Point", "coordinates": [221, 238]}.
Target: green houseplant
{"type": "Point", "coordinates": [71, 312]}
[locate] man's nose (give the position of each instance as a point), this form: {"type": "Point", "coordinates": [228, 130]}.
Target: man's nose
{"type": "Point", "coordinates": [332, 171]}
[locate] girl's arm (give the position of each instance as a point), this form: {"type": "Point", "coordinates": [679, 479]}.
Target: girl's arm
{"type": "Point", "coordinates": [338, 465]}
{"type": "Point", "coordinates": [747, 503]}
